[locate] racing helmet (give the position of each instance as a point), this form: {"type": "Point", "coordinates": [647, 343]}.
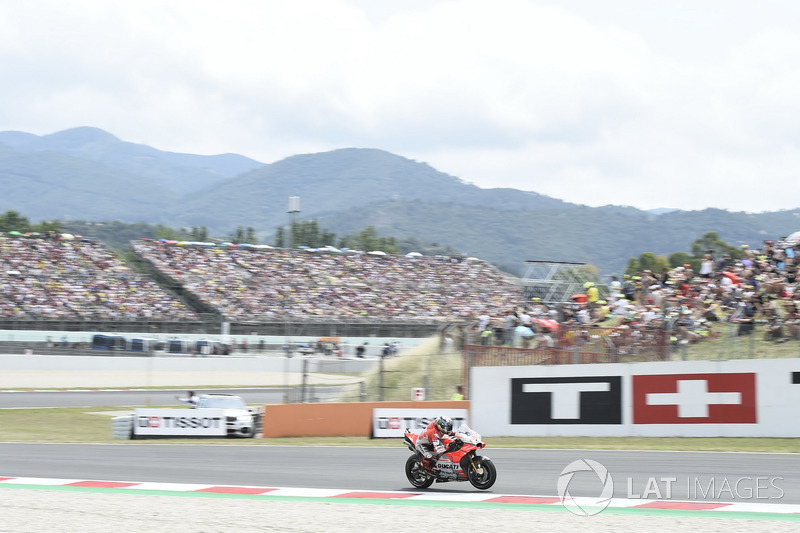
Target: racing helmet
{"type": "Point", "coordinates": [444, 424]}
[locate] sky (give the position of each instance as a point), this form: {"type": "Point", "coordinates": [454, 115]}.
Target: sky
{"type": "Point", "coordinates": [651, 104]}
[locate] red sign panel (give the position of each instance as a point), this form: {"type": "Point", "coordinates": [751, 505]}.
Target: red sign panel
{"type": "Point", "coordinates": [694, 399]}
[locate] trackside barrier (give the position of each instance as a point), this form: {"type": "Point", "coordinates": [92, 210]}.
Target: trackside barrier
{"type": "Point", "coordinates": [258, 419]}
{"type": "Point", "coordinates": [335, 419]}
{"type": "Point", "coordinates": [736, 398]}
{"type": "Point", "coordinates": [122, 426]}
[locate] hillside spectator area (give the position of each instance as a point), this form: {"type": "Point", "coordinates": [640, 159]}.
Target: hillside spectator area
{"type": "Point", "coordinates": [743, 302]}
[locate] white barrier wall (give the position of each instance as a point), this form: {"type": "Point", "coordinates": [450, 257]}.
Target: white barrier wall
{"type": "Point", "coordinates": [166, 363]}
{"type": "Point", "coordinates": [741, 398]}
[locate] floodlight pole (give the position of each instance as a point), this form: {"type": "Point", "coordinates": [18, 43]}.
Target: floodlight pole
{"type": "Point", "coordinates": [294, 208]}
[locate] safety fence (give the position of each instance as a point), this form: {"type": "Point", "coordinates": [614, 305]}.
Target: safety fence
{"type": "Point", "coordinates": [424, 373]}
{"type": "Point", "coordinates": [594, 344]}
{"type": "Point", "coordinates": [213, 325]}
{"type": "Point", "coordinates": [575, 344]}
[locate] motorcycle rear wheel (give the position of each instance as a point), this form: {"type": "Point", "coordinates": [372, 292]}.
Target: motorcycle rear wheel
{"type": "Point", "coordinates": [416, 475]}
{"type": "Point", "coordinates": [482, 473]}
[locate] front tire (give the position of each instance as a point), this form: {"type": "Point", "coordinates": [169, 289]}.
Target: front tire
{"type": "Point", "coordinates": [416, 475]}
{"type": "Point", "coordinates": [482, 473]}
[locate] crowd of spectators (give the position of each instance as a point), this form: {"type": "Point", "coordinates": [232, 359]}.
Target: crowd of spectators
{"type": "Point", "coordinates": [49, 277]}
{"type": "Point", "coordinates": [250, 284]}
{"type": "Point", "coordinates": [725, 295]}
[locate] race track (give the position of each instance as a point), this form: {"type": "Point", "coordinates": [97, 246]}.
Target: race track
{"type": "Point", "coordinates": [698, 476]}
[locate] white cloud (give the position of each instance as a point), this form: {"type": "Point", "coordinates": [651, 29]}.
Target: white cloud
{"type": "Point", "coordinates": [647, 104]}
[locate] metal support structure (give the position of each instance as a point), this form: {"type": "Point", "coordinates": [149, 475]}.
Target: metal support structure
{"type": "Point", "coordinates": [555, 281]}
{"type": "Point", "coordinates": [294, 208]}
{"type": "Point", "coordinates": [305, 379]}
{"type": "Point", "coordinates": [380, 379]}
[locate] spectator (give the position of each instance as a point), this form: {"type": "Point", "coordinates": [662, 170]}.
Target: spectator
{"type": "Point", "coordinates": [191, 398]}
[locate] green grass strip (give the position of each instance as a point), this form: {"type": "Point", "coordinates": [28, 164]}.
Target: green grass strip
{"type": "Point", "coordinates": [742, 515]}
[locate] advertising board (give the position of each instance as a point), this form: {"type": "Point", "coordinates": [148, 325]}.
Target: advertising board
{"type": "Point", "coordinates": [734, 398]}
{"type": "Point", "coordinates": [393, 422]}
{"type": "Point", "coordinates": [180, 422]}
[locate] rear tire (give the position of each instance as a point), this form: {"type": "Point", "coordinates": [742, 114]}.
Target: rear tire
{"type": "Point", "coordinates": [416, 474]}
{"type": "Point", "coordinates": [482, 473]}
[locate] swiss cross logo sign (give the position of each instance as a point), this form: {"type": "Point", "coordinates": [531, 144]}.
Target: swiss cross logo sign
{"type": "Point", "coordinates": [694, 399]}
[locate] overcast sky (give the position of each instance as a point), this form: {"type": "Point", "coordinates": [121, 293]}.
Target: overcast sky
{"type": "Point", "coordinates": [656, 103]}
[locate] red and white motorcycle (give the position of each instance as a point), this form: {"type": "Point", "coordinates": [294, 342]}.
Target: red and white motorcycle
{"type": "Point", "coordinates": [459, 462]}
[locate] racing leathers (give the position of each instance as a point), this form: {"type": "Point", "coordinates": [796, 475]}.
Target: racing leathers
{"type": "Point", "coordinates": [430, 445]}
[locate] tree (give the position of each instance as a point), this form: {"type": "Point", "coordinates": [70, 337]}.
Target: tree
{"type": "Point", "coordinates": [199, 234]}
{"type": "Point", "coordinates": [45, 226]}
{"type": "Point", "coordinates": [711, 241]}
{"type": "Point", "coordinates": [647, 261]}
{"type": "Point", "coordinates": [328, 238]}
{"type": "Point", "coordinates": [238, 236]}
{"type": "Point", "coordinates": [368, 239]}
{"type": "Point", "coordinates": [279, 237]}
{"type": "Point", "coordinates": [633, 266]}
{"type": "Point", "coordinates": [13, 221]}
{"type": "Point", "coordinates": [165, 232]}
{"type": "Point", "coordinates": [682, 258]}
{"type": "Point", "coordinates": [250, 235]}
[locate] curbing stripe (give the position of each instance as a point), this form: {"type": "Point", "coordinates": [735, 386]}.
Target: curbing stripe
{"type": "Point", "coordinates": [747, 510]}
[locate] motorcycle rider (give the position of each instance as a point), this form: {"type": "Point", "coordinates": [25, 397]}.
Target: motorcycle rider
{"type": "Point", "coordinates": [429, 443]}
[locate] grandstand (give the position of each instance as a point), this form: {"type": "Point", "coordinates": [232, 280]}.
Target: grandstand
{"type": "Point", "coordinates": [55, 284]}
{"type": "Point", "coordinates": [258, 285]}
{"type": "Point", "coordinates": [53, 279]}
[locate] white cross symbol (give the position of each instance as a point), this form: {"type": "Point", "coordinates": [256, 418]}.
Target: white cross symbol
{"type": "Point", "coordinates": [693, 398]}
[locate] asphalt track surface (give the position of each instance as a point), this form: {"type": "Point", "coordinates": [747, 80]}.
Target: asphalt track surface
{"type": "Point", "coordinates": [755, 478]}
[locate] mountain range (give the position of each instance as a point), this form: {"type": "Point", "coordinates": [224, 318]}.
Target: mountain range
{"type": "Point", "coordinates": [88, 174]}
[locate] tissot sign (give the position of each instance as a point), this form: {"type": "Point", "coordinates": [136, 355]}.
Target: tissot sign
{"type": "Point", "coordinates": [753, 398]}
{"type": "Point", "coordinates": [392, 422]}
{"type": "Point", "coordinates": [180, 422]}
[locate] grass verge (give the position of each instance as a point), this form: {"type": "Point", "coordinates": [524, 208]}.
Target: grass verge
{"type": "Point", "coordinates": [85, 425]}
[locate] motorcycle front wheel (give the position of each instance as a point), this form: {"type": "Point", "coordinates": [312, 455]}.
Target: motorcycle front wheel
{"type": "Point", "coordinates": [416, 474]}
{"type": "Point", "coordinates": [482, 473]}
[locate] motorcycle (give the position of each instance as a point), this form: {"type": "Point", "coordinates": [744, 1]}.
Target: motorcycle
{"type": "Point", "coordinates": [459, 462]}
